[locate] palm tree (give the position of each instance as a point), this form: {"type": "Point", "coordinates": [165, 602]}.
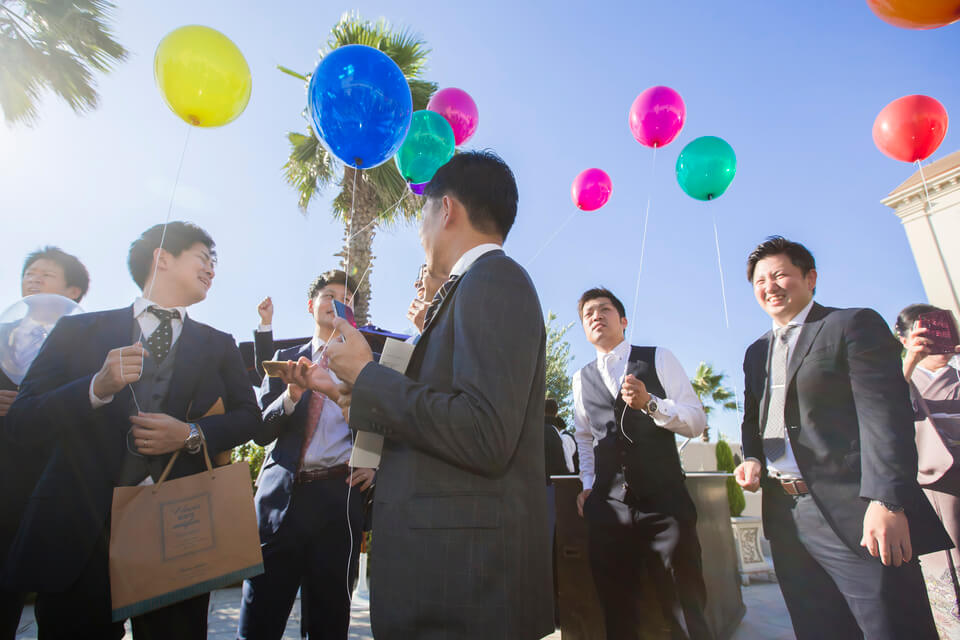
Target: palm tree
{"type": "Point", "coordinates": [709, 388]}
{"type": "Point", "coordinates": [382, 196]}
{"type": "Point", "coordinates": [55, 45]}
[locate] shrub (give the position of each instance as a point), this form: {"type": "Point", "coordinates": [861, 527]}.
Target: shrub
{"type": "Point", "coordinates": [734, 492]}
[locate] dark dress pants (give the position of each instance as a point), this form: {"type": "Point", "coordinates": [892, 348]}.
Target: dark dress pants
{"type": "Point", "coordinates": [83, 611]}
{"type": "Point", "coordinates": [11, 608]}
{"type": "Point", "coordinates": [832, 592]}
{"type": "Point", "coordinates": [667, 549]}
{"type": "Point", "coordinates": [310, 548]}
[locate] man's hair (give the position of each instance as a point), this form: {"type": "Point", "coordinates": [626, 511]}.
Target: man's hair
{"type": "Point", "coordinates": [799, 255]}
{"type": "Point", "coordinates": [334, 276]}
{"type": "Point", "coordinates": [600, 292]}
{"type": "Point", "coordinates": [909, 315]}
{"type": "Point", "coordinates": [484, 184]}
{"type": "Point", "coordinates": [551, 408]}
{"type": "Point", "coordinates": [73, 270]}
{"type": "Point", "coordinates": [179, 237]}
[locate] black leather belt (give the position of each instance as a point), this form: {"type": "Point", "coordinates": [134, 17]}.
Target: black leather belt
{"type": "Point", "coordinates": [311, 475]}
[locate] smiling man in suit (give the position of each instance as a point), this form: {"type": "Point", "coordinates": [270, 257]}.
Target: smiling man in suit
{"type": "Point", "coordinates": [54, 271]}
{"type": "Point", "coordinates": [461, 550]}
{"type": "Point", "coordinates": [828, 433]}
{"type": "Point", "coordinates": [114, 411]}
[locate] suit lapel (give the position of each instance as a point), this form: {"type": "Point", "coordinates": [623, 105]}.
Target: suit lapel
{"type": "Point", "coordinates": [186, 371]}
{"type": "Point", "coordinates": [762, 373]}
{"type": "Point", "coordinates": [808, 334]}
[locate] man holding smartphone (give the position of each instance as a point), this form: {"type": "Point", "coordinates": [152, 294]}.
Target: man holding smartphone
{"type": "Point", "coordinates": [309, 503]}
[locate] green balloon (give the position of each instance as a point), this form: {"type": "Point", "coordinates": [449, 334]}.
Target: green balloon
{"type": "Point", "coordinates": [705, 167]}
{"type": "Point", "coordinates": [428, 146]}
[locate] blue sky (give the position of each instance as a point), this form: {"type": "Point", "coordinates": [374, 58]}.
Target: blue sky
{"type": "Point", "coordinates": [794, 88]}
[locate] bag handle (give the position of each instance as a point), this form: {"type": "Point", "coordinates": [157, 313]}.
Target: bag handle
{"type": "Point", "coordinates": [173, 459]}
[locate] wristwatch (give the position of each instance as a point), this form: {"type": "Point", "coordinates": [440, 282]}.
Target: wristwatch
{"type": "Point", "coordinates": [194, 440]}
{"type": "Point", "coordinates": [889, 506]}
{"type": "Point", "coordinates": [652, 405]}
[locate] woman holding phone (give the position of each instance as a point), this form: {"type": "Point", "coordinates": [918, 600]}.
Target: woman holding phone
{"type": "Point", "coordinates": [934, 379]}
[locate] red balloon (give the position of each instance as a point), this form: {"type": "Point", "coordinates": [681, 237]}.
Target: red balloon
{"type": "Point", "coordinates": [591, 189]}
{"type": "Point", "coordinates": [910, 128]}
{"type": "Point", "coordinates": [916, 14]}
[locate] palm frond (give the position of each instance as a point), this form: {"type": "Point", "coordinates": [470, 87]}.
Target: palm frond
{"type": "Point", "coordinates": [309, 167]}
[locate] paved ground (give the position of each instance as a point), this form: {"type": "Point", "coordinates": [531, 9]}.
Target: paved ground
{"type": "Point", "coordinates": [766, 617]}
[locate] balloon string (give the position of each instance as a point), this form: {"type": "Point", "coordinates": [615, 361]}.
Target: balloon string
{"type": "Point", "coordinates": [353, 202]}
{"type": "Point", "coordinates": [643, 246]}
{"type": "Point", "coordinates": [156, 262]}
{"type": "Point", "coordinates": [377, 217]}
{"type": "Point", "coordinates": [923, 181]}
{"type": "Point", "coordinates": [551, 238]}
{"type": "Point", "coordinates": [723, 291]}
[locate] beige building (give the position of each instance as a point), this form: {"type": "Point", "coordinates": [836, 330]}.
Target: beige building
{"type": "Point", "coordinates": [933, 231]}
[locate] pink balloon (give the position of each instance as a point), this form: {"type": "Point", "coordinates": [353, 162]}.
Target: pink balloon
{"type": "Point", "coordinates": [418, 188]}
{"type": "Point", "coordinates": [657, 116]}
{"type": "Point", "coordinates": [459, 109]}
{"type": "Point", "coordinates": [591, 189]}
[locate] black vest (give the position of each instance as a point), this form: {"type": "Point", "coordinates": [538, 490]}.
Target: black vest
{"type": "Point", "coordinates": [636, 464]}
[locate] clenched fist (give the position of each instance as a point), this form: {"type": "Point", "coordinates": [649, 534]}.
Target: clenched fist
{"type": "Point", "coordinates": [121, 367]}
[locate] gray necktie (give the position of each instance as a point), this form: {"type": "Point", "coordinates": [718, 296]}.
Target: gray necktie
{"type": "Point", "coordinates": [774, 432]}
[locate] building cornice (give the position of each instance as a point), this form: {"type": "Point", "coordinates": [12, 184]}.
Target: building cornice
{"type": "Point", "coordinates": [911, 202]}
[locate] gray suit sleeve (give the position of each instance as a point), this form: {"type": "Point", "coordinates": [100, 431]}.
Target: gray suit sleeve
{"type": "Point", "coordinates": [498, 345]}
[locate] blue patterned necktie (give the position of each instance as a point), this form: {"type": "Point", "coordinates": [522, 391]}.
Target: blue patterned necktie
{"type": "Point", "coordinates": [158, 344]}
{"type": "Point", "coordinates": [437, 301]}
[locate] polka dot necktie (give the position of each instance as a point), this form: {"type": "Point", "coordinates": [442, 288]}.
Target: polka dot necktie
{"type": "Point", "coordinates": [158, 344]}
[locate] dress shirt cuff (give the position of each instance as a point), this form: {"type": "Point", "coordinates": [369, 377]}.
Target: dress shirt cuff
{"type": "Point", "coordinates": [587, 480]}
{"type": "Point", "coordinates": [665, 413]}
{"type": "Point", "coordinates": [288, 404]}
{"type": "Point", "coordinates": [95, 401]}
{"type": "Point", "coordinates": [264, 328]}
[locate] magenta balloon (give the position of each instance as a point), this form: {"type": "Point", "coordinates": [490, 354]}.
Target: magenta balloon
{"type": "Point", "coordinates": [591, 189]}
{"type": "Point", "coordinates": [459, 109]}
{"type": "Point", "coordinates": [418, 188]}
{"type": "Point", "coordinates": [657, 116]}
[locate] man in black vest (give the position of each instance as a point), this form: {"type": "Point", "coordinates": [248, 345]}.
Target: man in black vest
{"type": "Point", "coordinates": [628, 405]}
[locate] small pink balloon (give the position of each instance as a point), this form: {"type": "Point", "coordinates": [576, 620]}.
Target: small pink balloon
{"type": "Point", "coordinates": [657, 116]}
{"type": "Point", "coordinates": [591, 189]}
{"type": "Point", "coordinates": [459, 109]}
{"type": "Point", "coordinates": [418, 188]}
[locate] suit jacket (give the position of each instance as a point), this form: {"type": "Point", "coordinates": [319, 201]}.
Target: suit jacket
{"type": "Point", "coordinates": [262, 347]}
{"type": "Point", "coordinates": [461, 548]}
{"type": "Point", "coordinates": [276, 481]}
{"type": "Point", "coordinates": [19, 472]}
{"type": "Point", "coordinates": [71, 503]}
{"type": "Point", "coordinates": [850, 423]}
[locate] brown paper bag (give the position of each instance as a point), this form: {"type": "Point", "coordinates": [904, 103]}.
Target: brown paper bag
{"type": "Point", "coordinates": [180, 538]}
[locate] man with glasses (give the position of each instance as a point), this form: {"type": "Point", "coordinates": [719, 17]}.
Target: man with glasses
{"type": "Point", "coordinates": [115, 394]}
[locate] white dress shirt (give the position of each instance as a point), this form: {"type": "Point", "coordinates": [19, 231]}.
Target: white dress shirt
{"type": "Point", "coordinates": [470, 256]}
{"type": "Point", "coordinates": [148, 324]}
{"type": "Point", "coordinates": [569, 448]}
{"type": "Point", "coordinates": [331, 443]}
{"type": "Point", "coordinates": [785, 467]}
{"type": "Point", "coordinates": [952, 369]}
{"type": "Point", "coordinates": [680, 412]}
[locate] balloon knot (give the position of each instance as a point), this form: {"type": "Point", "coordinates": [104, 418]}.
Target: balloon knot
{"type": "Point", "coordinates": [194, 120]}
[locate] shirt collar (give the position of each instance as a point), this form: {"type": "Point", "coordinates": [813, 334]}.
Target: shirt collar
{"type": "Point", "coordinates": [619, 352]}
{"type": "Point", "coordinates": [798, 319]}
{"type": "Point", "coordinates": [317, 345]}
{"type": "Point", "coordinates": [470, 256]}
{"type": "Point", "coordinates": [141, 304]}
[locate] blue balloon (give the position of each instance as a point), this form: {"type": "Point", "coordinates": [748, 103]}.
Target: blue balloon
{"type": "Point", "coordinates": [360, 105]}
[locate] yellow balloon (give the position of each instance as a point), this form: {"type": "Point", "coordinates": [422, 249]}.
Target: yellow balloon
{"type": "Point", "coordinates": [202, 76]}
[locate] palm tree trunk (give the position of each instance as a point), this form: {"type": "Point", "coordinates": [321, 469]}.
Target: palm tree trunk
{"type": "Point", "coordinates": [359, 248]}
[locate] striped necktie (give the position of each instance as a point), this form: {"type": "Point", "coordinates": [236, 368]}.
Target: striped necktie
{"type": "Point", "coordinates": [774, 432]}
{"type": "Point", "coordinates": [437, 301]}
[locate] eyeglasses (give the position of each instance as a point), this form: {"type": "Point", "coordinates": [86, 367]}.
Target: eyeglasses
{"type": "Point", "coordinates": [420, 273]}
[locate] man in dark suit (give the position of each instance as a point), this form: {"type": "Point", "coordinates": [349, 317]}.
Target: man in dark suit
{"type": "Point", "coordinates": [114, 413]}
{"type": "Point", "coordinates": [263, 336]}
{"type": "Point", "coordinates": [306, 493]}
{"type": "Point", "coordinates": [460, 548]}
{"type": "Point", "coordinates": [47, 270]}
{"type": "Point", "coordinates": [828, 433]}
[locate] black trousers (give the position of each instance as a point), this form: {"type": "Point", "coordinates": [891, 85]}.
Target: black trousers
{"type": "Point", "coordinates": [669, 551]}
{"type": "Point", "coordinates": [832, 592]}
{"type": "Point", "coordinates": [311, 548]}
{"type": "Point", "coordinates": [11, 608]}
{"type": "Point", "coordinates": [83, 611]}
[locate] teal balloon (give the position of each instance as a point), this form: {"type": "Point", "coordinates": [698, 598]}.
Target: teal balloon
{"type": "Point", "coordinates": [428, 146]}
{"type": "Point", "coordinates": [705, 167]}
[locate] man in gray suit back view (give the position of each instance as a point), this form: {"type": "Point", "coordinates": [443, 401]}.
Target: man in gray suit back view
{"type": "Point", "coordinates": [460, 546]}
